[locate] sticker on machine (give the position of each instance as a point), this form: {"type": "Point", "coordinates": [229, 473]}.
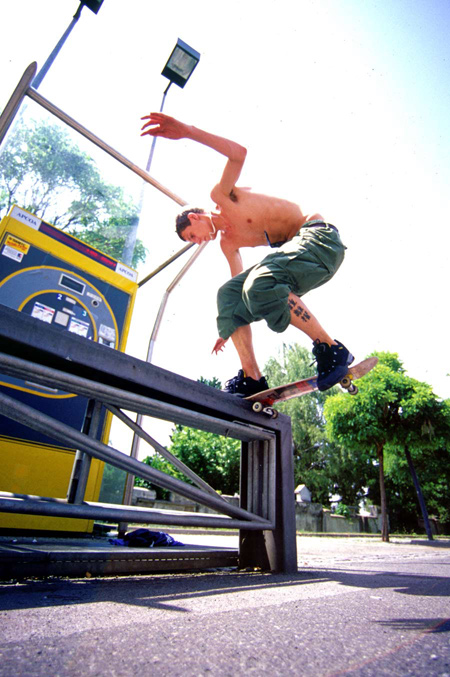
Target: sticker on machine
{"type": "Point", "coordinates": [78, 327]}
{"type": "Point", "coordinates": [42, 312]}
{"type": "Point", "coordinates": [129, 273]}
{"type": "Point", "coordinates": [25, 217]}
{"type": "Point", "coordinates": [15, 243]}
{"type": "Point", "coordinates": [107, 333]}
{"type": "Point", "coordinates": [13, 254]}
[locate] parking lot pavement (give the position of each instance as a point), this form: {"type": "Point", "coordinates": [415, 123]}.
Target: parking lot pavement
{"type": "Point", "coordinates": [355, 607]}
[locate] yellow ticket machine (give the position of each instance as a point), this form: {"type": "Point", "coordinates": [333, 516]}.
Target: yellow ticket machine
{"type": "Point", "coordinates": [62, 281]}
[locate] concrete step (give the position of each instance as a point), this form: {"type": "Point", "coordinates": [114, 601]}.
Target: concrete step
{"type": "Point", "coordinates": [78, 558]}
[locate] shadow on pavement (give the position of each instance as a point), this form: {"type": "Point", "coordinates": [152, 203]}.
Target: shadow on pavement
{"type": "Point", "coordinates": [418, 624]}
{"type": "Point", "coordinates": [167, 591]}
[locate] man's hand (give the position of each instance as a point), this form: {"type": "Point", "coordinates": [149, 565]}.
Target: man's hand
{"type": "Point", "coordinates": [219, 345]}
{"type": "Point", "coordinates": [163, 125]}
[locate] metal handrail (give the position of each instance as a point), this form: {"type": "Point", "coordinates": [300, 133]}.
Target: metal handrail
{"type": "Point", "coordinates": [23, 413]}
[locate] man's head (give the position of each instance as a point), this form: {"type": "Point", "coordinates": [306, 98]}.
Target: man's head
{"type": "Point", "coordinates": [195, 225]}
{"type": "Point", "coordinates": [182, 221]}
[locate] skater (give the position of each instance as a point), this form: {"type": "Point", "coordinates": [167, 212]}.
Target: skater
{"type": "Point", "coordinates": [307, 253]}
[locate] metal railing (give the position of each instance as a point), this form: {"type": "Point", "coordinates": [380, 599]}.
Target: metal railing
{"type": "Point", "coordinates": [265, 517]}
{"type": "Point", "coordinates": [115, 399]}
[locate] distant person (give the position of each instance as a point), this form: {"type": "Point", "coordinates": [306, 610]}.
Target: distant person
{"type": "Point", "coordinates": [308, 253]}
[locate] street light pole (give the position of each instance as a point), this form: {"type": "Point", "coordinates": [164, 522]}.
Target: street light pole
{"type": "Point", "coordinates": [93, 5]}
{"type": "Point", "coordinates": [178, 69]}
{"type": "Point", "coordinates": [152, 149]}
{"type": "Point", "coordinates": [45, 68]}
{"type": "Point", "coordinates": [130, 240]}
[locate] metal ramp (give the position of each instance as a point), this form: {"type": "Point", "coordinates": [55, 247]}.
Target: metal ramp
{"type": "Point", "coordinates": [266, 515]}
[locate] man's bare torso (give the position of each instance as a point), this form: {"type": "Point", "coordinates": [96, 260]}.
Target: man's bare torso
{"type": "Point", "coordinates": [252, 218]}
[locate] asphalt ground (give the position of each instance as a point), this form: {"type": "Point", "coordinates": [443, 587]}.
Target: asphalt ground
{"type": "Point", "coordinates": [355, 607]}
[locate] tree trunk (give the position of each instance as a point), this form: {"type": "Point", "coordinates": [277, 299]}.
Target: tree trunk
{"type": "Point", "coordinates": [384, 515]}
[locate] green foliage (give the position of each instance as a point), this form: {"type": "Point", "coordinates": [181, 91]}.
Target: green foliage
{"type": "Point", "coordinates": [343, 510]}
{"type": "Point", "coordinates": [393, 411]}
{"type": "Point", "coordinates": [323, 466]}
{"type": "Point", "coordinates": [113, 484]}
{"type": "Point", "coordinates": [433, 470]}
{"type": "Point", "coordinates": [43, 171]}
{"type": "Point", "coordinates": [212, 382]}
{"type": "Point", "coordinates": [214, 458]}
{"type": "Point", "coordinates": [158, 463]}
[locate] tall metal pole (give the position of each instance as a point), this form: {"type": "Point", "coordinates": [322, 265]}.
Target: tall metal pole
{"type": "Point", "coordinates": [128, 250]}
{"type": "Point", "coordinates": [45, 68]}
{"type": "Point", "coordinates": [152, 149]}
{"type": "Point", "coordinates": [127, 256]}
{"type": "Point", "coordinates": [419, 493]}
{"type": "Point", "coordinates": [130, 242]}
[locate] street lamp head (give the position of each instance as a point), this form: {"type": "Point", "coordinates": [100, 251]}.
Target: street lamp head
{"type": "Point", "coordinates": [93, 5]}
{"type": "Point", "coordinates": [181, 63]}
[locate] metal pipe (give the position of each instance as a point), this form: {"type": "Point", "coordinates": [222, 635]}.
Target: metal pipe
{"type": "Point", "coordinates": [134, 453]}
{"type": "Point", "coordinates": [15, 366]}
{"type": "Point", "coordinates": [85, 466]}
{"type": "Point", "coordinates": [37, 505]}
{"type": "Point", "coordinates": [79, 479]}
{"type": "Point", "coordinates": [15, 101]}
{"type": "Point", "coordinates": [168, 291]}
{"type": "Point", "coordinates": [39, 421]}
{"type": "Point", "coordinates": [165, 453]}
{"type": "Point", "coordinates": [164, 265]}
{"type": "Point", "coordinates": [271, 481]}
{"type": "Point", "coordinates": [45, 103]}
{"type": "Point", "coordinates": [46, 67]}
{"type": "Point", "coordinates": [130, 241]}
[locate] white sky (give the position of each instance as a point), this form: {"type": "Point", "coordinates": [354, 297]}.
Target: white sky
{"type": "Point", "coordinates": [343, 106]}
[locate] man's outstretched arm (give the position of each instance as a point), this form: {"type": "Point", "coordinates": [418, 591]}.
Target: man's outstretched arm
{"type": "Point", "coordinates": [163, 125]}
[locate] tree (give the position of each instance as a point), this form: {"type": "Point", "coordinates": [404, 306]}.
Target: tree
{"type": "Point", "coordinates": [324, 466]}
{"type": "Point", "coordinates": [212, 382]}
{"type": "Point", "coordinates": [214, 458]}
{"type": "Point", "coordinates": [113, 483]}
{"type": "Point", "coordinates": [158, 463]}
{"type": "Point", "coordinates": [421, 449]}
{"type": "Point", "coordinates": [43, 171]}
{"type": "Point", "coordinates": [391, 413]}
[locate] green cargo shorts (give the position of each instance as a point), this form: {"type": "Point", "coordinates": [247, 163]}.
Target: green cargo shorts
{"type": "Point", "coordinates": [304, 263]}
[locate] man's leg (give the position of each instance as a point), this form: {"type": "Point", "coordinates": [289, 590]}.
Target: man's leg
{"type": "Point", "coordinates": [249, 379]}
{"type": "Point", "coordinates": [303, 319]}
{"type": "Point", "coordinates": [333, 358]}
{"type": "Point", "coordinates": [234, 320]}
{"type": "Point", "coordinates": [305, 263]}
{"type": "Point", "coordinates": [243, 342]}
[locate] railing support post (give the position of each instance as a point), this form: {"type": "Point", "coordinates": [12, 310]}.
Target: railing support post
{"type": "Point", "coordinates": [268, 550]}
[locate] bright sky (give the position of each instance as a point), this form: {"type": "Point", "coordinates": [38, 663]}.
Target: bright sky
{"type": "Point", "coordinates": [343, 106]}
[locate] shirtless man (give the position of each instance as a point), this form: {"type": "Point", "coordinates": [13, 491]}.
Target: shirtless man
{"type": "Point", "coordinates": [308, 253]}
